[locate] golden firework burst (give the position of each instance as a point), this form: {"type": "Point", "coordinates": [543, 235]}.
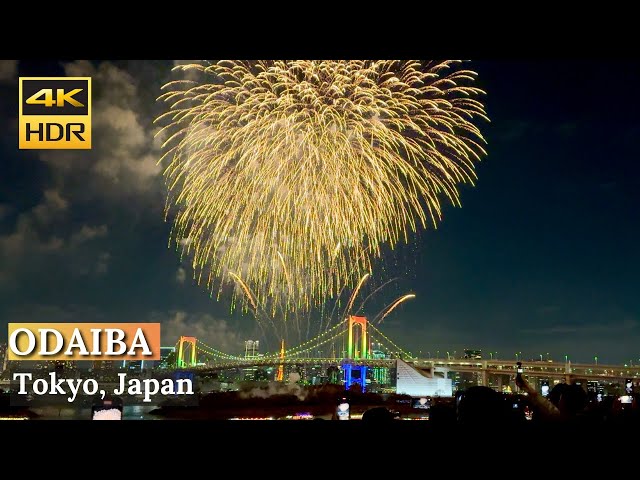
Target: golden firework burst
{"type": "Point", "coordinates": [292, 174]}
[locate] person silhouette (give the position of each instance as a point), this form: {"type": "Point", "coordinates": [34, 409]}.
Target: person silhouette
{"type": "Point", "coordinates": [482, 406]}
{"type": "Point", "coordinates": [566, 402]}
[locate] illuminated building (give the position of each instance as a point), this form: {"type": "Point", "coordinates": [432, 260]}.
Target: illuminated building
{"type": "Point", "coordinates": [500, 382]}
{"type": "Point", "coordinates": [249, 374]}
{"type": "Point", "coordinates": [413, 382]}
{"type": "Point", "coordinates": [465, 380]}
{"type": "Point", "coordinates": [379, 375]}
{"type": "Point", "coordinates": [43, 365]}
{"type": "Point", "coordinates": [63, 367]}
{"type": "Point", "coordinates": [473, 354]}
{"type": "Point", "coordinates": [165, 357]}
{"type": "Point", "coordinates": [378, 354]}
{"type": "Point", "coordinates": [333, 374]}
{"type": "Point", "coordinates": [315, 375]}
{"type": "Point", "coordinates": [251, 348]}
{"type": "Point", "coordinates": [103, 365]}
{"type": "Point", "coordinates": [135, 365]}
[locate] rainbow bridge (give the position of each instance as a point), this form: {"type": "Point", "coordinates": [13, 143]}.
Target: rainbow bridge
{"type": "Point", "coordinates": [358, 335]}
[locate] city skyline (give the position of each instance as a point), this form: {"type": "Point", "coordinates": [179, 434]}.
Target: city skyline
{"type": "Point", "coordinates": [540, 258]}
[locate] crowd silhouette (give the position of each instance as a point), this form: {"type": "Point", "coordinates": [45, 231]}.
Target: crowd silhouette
{"type": "Point", "coordinates": [565, 404]}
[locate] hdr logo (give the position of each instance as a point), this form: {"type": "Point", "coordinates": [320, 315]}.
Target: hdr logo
{"type": "Point", "coordinates": [55, 113]}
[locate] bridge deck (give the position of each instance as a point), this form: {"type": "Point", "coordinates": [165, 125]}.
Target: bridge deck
{"type": "Point", "coordinates": [494, 367]}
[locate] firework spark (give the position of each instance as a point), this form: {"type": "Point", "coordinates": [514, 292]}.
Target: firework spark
{"type": "Point", "coordinates": [383, 314]}
{"type": "Point", "coordinates": [313, 165]}
{"type": "Point", "coordinates": [355, 293]}
{"type": "Point", "coordinates": [246, 290]}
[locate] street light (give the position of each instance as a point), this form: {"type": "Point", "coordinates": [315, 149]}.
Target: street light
{"type": "Point", "coordinates": [448, 356]}
{"type": "Point", "coordinates": [596, 359]}
{"type": "Point", "coordinates": [540, 357]}
{"type": "Point", "coordinates": [566, 359]}
{"type": "Point", "coordinates": [491, 355]}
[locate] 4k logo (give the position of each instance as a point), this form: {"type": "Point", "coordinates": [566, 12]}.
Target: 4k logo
{"type": "Point", "coordinates": [55, 113]}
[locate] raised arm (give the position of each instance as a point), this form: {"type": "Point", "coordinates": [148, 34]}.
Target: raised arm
{"type": "Point", "coordinates": [540, 404]}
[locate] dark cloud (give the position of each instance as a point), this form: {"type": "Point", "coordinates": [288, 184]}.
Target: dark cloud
{"type": "Point", "coordinates": [122, 165]}
{"type": "Point", "coordinates": [215, 332]}
{"type": "Point", "coordinates": [87, 194]}
{"type": "Point", "coordinates": [73, 313]}
{"type": "Point", "coordinates": [38, 238]}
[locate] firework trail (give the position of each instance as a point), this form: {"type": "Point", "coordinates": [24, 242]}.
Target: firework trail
{"type": "Point", "coordinates": [318, 163]}
{"type": "Point", "coordinates": [279, 330]}
{"type": "Point", "coordinates": [386, 311]}
{"type": "Point", "coordinates": [246, 290]}
{"type": "Point", "coordinates": [355, 294]}
{"type": "Point", "coordinates": [374, 292]}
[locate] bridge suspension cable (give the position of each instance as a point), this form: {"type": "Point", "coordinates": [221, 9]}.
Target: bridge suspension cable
{"type": "Point", "coordinates": [399, 349]}
{"type": "Point", "coordinates": [322, 339]}
{"type": "Point", "coordinates": [214, 352]}
{"type": "Point", "coordinates": [295, 350]}
{"type": "Point", "coordinates": [215, 355]}
{"type": "Point", "coordinates": [316, 345]}
{"type": "Point", "coordinates": [308, 345]}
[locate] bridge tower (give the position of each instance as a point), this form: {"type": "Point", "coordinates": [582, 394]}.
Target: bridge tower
{"type": "Point", "coordinates": [192, 361]}
{"type": "Point", "coordinates": [356, 374]}
{"type": "Point", "coordinates": [357, 337]}
{"type": "Point", "coordinates": [280, 374]}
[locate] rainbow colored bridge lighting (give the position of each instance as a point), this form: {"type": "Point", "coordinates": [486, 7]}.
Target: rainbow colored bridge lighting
{"type": "Point", "coordinates": [191, 341]}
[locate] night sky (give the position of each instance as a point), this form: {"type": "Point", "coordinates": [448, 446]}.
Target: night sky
{"type": "Point", "coordinates": [541, 258]}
